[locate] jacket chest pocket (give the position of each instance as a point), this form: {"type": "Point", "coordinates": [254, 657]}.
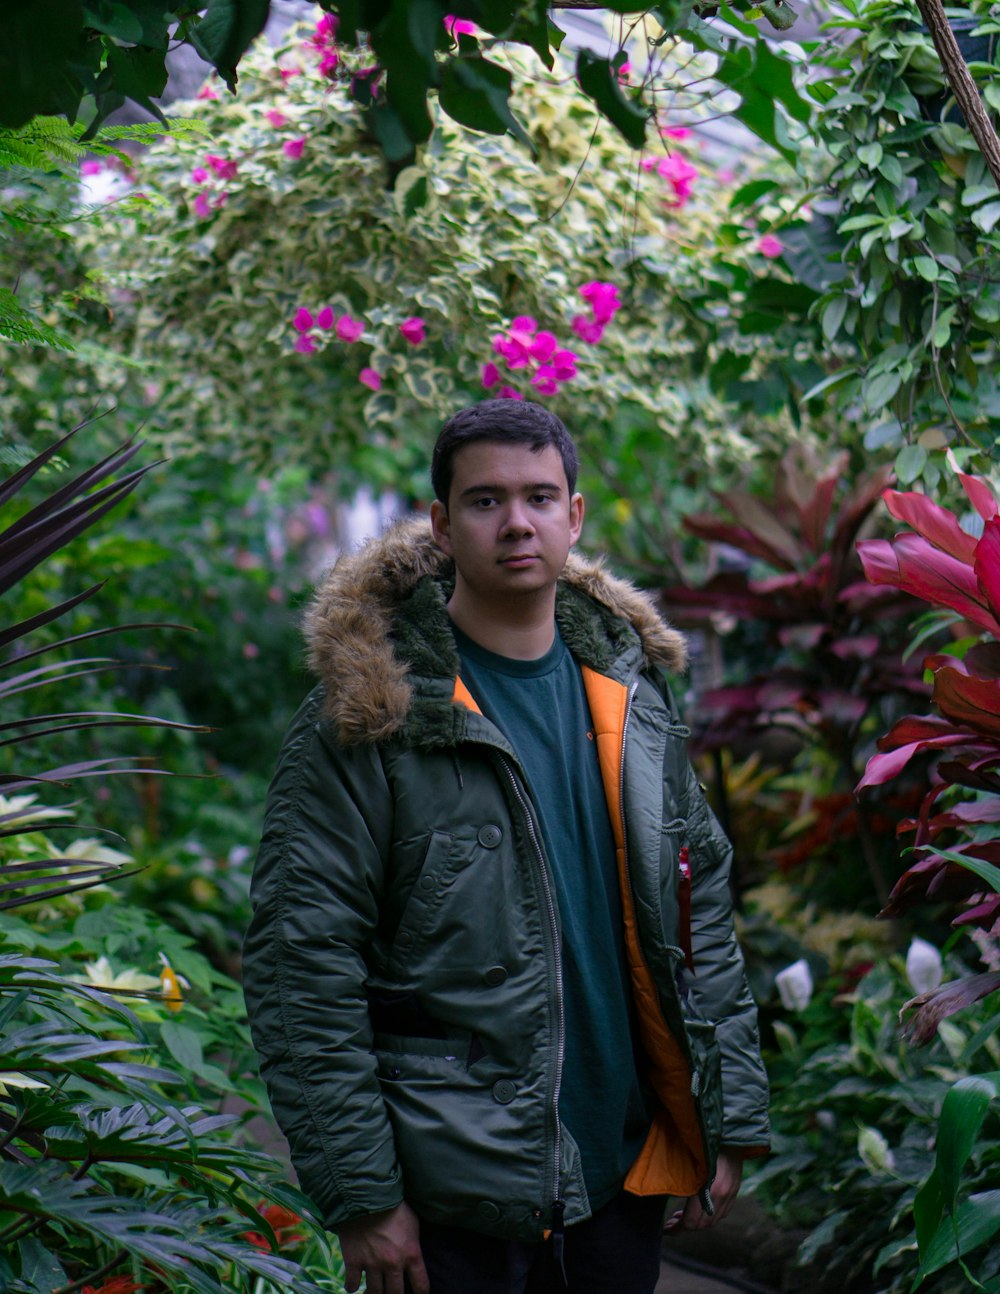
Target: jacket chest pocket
{"type": "Point", "coordinates": [442, 859]}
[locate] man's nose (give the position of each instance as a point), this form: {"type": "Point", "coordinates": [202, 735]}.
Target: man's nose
{"type": "Point", "coordinates": [517, 520]}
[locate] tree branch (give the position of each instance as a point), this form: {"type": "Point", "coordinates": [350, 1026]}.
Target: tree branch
{"type": "Point", "coordinates": [961, 82]}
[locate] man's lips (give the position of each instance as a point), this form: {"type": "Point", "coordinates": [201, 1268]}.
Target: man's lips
{"type": "Point", "coordinates": [519, 559]}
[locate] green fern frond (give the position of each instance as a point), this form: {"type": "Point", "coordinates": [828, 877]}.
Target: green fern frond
{"type": "Point", "coordinates": [51, 142]}
{"type": "Point", "coordinates": [26, 329]}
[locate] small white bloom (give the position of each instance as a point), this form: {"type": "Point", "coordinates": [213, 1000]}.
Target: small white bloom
{"type": "Point", "coordinates": [795, 985]}
{"type": "Point", "coordinates": [874, 1151]}
{"type": "Point", "coordinates": [924, 969]}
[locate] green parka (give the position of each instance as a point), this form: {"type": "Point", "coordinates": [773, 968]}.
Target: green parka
{"type": "Point", "coordinates": [402, 968]}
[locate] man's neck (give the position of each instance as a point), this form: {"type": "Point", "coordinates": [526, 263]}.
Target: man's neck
{"type": "Point", "coordinates": [522, 629]}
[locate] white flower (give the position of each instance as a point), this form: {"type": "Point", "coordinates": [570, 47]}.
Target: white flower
{"type": "Point", "coordinates": [874, 1151]}
{"type": "Point", "coordinates": [795, 985]}
{"type": "Point", "coordinates": [923, 966]}
{"type": "Point", "coordinates": [101, 974]}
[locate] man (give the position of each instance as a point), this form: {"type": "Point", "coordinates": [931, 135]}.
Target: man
{"type": "Point", "coordinates": [491, 967]}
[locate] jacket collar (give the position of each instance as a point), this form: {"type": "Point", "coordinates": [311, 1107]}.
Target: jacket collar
{"type": "Point", "coordinates": [379, 637]}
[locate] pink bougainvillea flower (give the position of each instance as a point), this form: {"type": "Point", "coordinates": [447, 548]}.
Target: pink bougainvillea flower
{"type": "Point", "coordinates": [207, 92]}
{"type": "Point", "coordinates": [219, 201]}
{"type": "Point", "coordinates": [456, 27]}
{"type": "Point", "coordinates": [624, 71]}
{"type": "Point", "coordinates": [224, 167]}
{"type": "Point", "coordinates": [542, 346]}
{"type": "Point", "coordinates": [303, 320]}
{"type": "Point", "coordinates": [288, 72]}
{"type": "Point", "coordinates": [647, 164]}
{"type": "Point", "coordinates": [276, 117]}
{"type": "Point", "coordinates": [91, 167]}
{"type": "Point", "coordinates": [491, 375]}
{"type": "Point", "coordinates": [329, 63]}
{"type": "Point", "coordinates": [508, 393]}
{"type": "Point", "coordinates": [770, 246]}
{"type": "Point", "coordinates": [304, 344]}
{"type": "Point", "coordinates": [326, 28]}
{"type": "Point", "coordinates": [414, 330]}
{"type": "Point", "coordinates": [515, 352]}
{"type": "Point", "coordinates": [587, 330]}
{"type": "Point", "coordinates": [199, 175]}
{"type": "Point", "coordinates": [293, 147]}
{"type": "Point", "coordinates": [370, 378]}
{"type": "Point", "coordinates": [325, 318]}
{"type": "Point", "coordinates": [522, 329]}
{"type": "Point", "coordinates": [545, 381]}
{"type": "Point", "coordinates": [349, 329]}
{"type": "Point", "coordinates": [201, 205]}
{"type": "Point", "coordinates": [564, 363]}
{"type": "Point", "coordinates": [676, 132]}
{"type": "Point", "coordinates": [603, 299]}
{"type": "Point", "coordinates": [680, 174]}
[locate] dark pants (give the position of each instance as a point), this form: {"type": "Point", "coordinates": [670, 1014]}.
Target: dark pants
{"type": "Point", "coordinates": [617, 1251]}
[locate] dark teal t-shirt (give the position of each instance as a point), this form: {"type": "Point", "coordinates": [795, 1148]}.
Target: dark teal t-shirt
{"type": "Point", "coordinates": [541, 708]}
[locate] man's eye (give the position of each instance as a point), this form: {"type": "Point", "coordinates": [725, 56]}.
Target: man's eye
{"type": "Point", "coordinates": [541, 498]}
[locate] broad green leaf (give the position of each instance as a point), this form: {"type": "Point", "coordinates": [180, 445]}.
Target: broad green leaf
{"type": "Point", "coordinates": [183, 1044]}
{"type": "Point", "coordinates": [833, 316]}
{"type": "Point", "coordinates": [926, 267]}
{"type": "Point", "coordinates": [976, 1222]}
{"type": "Point", "coordinates": [987, 217]}
{"type": "Point", "coordinates": [870, 154]}
{"type": "Point", "coordinates": [476, 92]}
{"type": "Point", "coordinates": [599, 82]}
{"type": "Point", "coordinates": [962, 1116]}
{"type": "Point", "coordinates": [987, 871]}
{"type": "Point", "coordinates": [910, 462]}
{"type": "Point", "coordinates": [880, 389]}
{"type": "Point", "coordinates": [225, 33]}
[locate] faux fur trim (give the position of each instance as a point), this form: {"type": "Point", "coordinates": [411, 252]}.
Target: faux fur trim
{"type": "Point", "coordinates": [370, 609]}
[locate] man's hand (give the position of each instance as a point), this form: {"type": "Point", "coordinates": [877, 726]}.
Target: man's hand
{"type": "Point", "coordinates": [386, 1247]}
{"type": "Point", "coordinates": [725, 1188]}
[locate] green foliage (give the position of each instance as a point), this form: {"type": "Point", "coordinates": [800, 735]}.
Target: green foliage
{"type": "Point", "coordinates": [61, 57]}
{"type": "Point", "coordinates": [472, 235]}
{"type": "Point", "coordinates": [916, 321]}
{"type": "Point", "coordinates": [856, 1116]}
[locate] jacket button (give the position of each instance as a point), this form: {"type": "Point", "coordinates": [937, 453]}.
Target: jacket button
{"type": "Point", "coordinates": [490, 836]}
{"type": "Point", "coordinates": [427, 882]}
{"type": "Point", "coordinates": [488, 1211]}
{"type": "Point", "coordinates": [504, 1091]}
{"type": "Point", "coordinates": [495, 976]}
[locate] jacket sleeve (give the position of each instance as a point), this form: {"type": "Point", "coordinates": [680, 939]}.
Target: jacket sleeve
{"type": "Point", "coordinates": [315, 894]}
{"type": "Point", "coordinates": [719, 984]}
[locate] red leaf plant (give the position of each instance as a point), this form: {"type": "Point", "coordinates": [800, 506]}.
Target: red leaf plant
{"type": "Point", "coordinates": [832, 641]}
{"type": "Point", "coordinates": [947, 566]}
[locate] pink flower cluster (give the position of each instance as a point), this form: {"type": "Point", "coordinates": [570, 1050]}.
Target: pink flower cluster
{"type": "Point", "coordinates": [523, 346]}
{"type": "Point", "coordinates": [456, 27]}
{"type": "Point", "coordinates": [771, 246]}
{"type": "Point", "coordinates": [214, 172]}
{"type": "Point", "coordinates": [604, 301]}
{"type": "Point", "coordinates": [679, 173]}
{"type": "Point", "coordinates": [346, 328]}
{"type": "Point", "coordinates": [324, 42]}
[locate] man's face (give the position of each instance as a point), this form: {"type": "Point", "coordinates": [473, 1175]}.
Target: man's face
{"type": "Point", "coordinates": [510, 521]}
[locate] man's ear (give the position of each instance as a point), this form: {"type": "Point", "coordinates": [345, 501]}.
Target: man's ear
{"type": "Point", "coordinates": [441, 527]}
{"type": "Point", "coordinates": [576, 511]}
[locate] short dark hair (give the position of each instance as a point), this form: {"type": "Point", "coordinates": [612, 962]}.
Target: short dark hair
{"type": "Point", "coordinates": [517, 422]}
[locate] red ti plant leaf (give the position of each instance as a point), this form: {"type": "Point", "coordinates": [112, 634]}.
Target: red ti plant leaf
{"type": "Point", "coordinates": [910, 563]}
{"type": "Point", "coordinates": [937, 525]}
{"type": "Point", "coordinates": [933, 1007]}
{"type": "Point", "coordinates": [965, 698]}
{"type": "Point", "coordinates": [981, 496]}
{"type": "Point", "coordinates": [987, 565]}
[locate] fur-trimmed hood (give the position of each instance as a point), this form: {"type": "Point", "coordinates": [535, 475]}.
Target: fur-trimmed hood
{"type": "Point", "coordinates": [378, 633]}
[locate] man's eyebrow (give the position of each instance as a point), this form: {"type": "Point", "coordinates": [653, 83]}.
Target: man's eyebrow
{"type": "Point", "coordinates": [551, 486]}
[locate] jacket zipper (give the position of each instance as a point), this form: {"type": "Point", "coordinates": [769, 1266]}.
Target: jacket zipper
{"type": "Point", "coordinates": [704, 1195]}
{"type": "Point", "coordinates": [558, 1205]}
